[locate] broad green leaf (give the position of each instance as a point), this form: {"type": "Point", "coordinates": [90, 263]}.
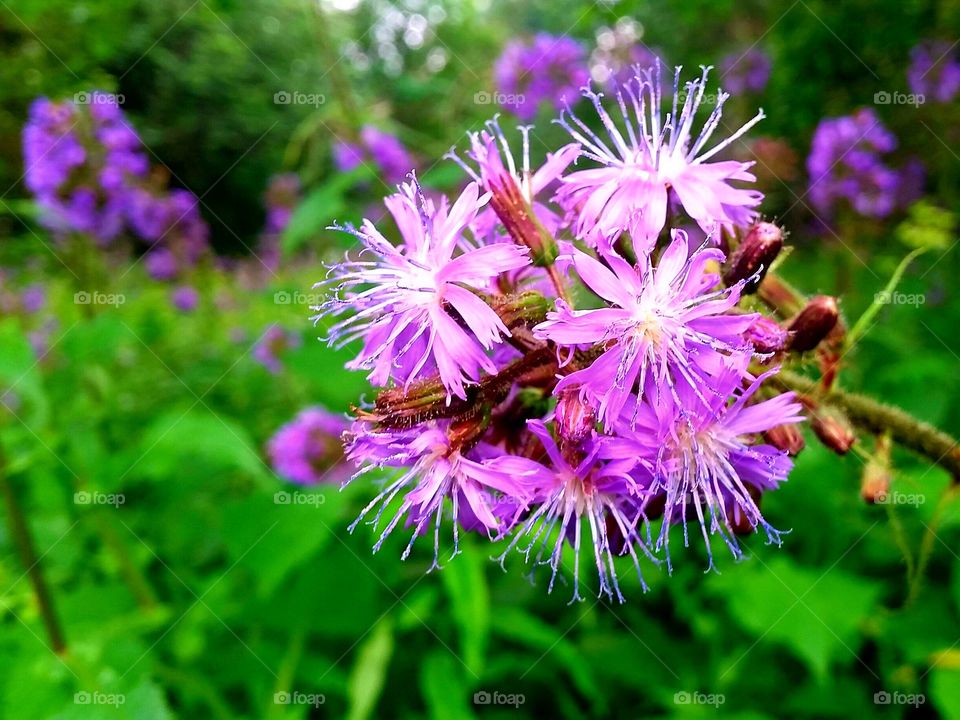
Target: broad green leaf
{"type": "Point", "coordinates": [466, 584]}
{"type": "Point", "coordinates": [370, 669]}
{"type": "Point", "coordinates": [945, 691]}
{"type": "Point", "coordinates": [443, 687]}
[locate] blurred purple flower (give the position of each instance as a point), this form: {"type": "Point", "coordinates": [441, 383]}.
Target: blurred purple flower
{"type": "Point", "coordinates": [307, 449]}
{"type": "Point", "coordinates": [934, 71]}
{"type": "Point", "coordinates": [547, 69]}
{"type": "Point", "coordinates": [746, 72]}
{"type": "Point", "coordinates": [185, 298]}
{"type": "Point", "coordinates": [271, 347]}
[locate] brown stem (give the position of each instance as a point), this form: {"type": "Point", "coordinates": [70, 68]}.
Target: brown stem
{"type": "Point", "coordinates": [877, 417]}
{"type": "Point", "coordinates": [20, 533]}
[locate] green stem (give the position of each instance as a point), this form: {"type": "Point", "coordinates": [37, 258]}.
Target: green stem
{"type": "Point", "coordinates": [927, 545]}
{"type": "Point", "coordinates": [906, 430]}
{"type": "Point", "coordinates": [20, 533]}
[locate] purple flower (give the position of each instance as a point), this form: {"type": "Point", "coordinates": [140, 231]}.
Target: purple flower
{"type": "Point", "coordinates": [568, 496]}
{"type": "Point", "coordinates": [33, 298]}
{"type": "Point", "coordinates": [705, 465]}
{"type": "Point", "coordinates": [497, 171]}
{"type": "Point", "coordinates": [434, 468]}
{"type": "Point", "coordinates": [547, 70]}
{"type": "Point", "coordinates": [404, 297]}
{"type": "Point", "coordinates": [307, 449]}
{"type": "Point", "coordinates": [667, 325]}
{"type": "Point", "coordinates": [282, 196]}
{"type": "Point", "coordinates": [388, 153]}
{"type": "Point", "coordinates": [746, 72]}
{"type": "Point", "coordinates": [347, 156]}
{"type": "Point", "coordinates": [845, 163]}
{"type": "Point", "coordinates": [383, 150]}
{"type": "Point", "coordinates": [161, 264]}
{"type": "Point", "coordinates": [273, 344]}
{"type": "Point", "coordinates": [185, 298]}
{"type": "Point", "coordinates": [650, 155]}
{"type": "Point", "coordinates": [934, 71]}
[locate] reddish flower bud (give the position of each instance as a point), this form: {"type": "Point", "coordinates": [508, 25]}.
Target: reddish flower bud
{"type": "Point", "coordinates": [813, 323]}
{"type": "Point", "coordinates": [753, 258]}
{"type": "Point", "coordinates": [833, 429]}
{"type": "Point", "coordinates": [739, 522]}
{"type": "Point", "coordinates": [787, 438]}
{"type": "Point", "coordinates": [766, 336]}
{"type": "Point", "coordinates": [575, 418]}
{"type": "Point", "coordinates": [518, 218]}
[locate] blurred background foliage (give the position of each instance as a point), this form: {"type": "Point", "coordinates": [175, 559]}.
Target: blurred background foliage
{"type": "Point", "coordinates": [201, 596]}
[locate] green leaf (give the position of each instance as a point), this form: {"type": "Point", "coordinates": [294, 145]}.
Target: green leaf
{"type": "Point", "coordinates": [319, 209]}
{"type": "Point", "coordinates": [370, 670]}
{"type": "Point", "coordinates": [443, 687]}
{"type": "Point", "coordinates": [271, 535]}
{"type": "Point", "coordinates": [466, 585]}
{"type": "Point", "coordinates": [783, 602]}
{"type": "Point", "coordinates": [945, 691]}
{"type": "Point", "coordinates": [520, 626]}
{"type": "Point", "coordinates": [188, 445]}
{"type": "Point", "coordinates": [927, 226]}
{"type": "Point", "coordinates": [21, 386]}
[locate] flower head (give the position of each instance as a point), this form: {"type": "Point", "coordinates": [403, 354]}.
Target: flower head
{"type": "Point", "coordinates": [650, 156]}
{"type": "Point", "coordinates": [307, 450]}
{"type": "Point", "coordinates": [706, 464]}
{"type": "Point", "coordinates": [434, 467]}
{"type": "Point", "coordinates": [414, 304]}
{"type": "Point", "coordinates": [573, 491]}
{"type": "Point", "coordinates": [667, 325]}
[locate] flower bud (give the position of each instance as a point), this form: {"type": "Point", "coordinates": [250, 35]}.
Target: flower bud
{"type": "Point", "coordinates": [766, 336]}
{"type": "Point", "coordinates": [740, 522]}
{"type": "Point", "coordinates": [575, 419]}
{"type": "Point", "coordinates": [787, 438]}
{"type": "Point", "coordinates": [753, 258]}
{"type": "Point", "coordinates": [875, 483]}
{"type": "Point", "coordinates": [813, 323]}
{"type": "Point", "coordinates": [518, 218]}
{"type": "Point", "coordinates": [833, 429]}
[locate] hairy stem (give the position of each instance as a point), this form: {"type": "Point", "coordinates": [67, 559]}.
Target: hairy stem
{"type": "Point", "coordinates": [869, 414]}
